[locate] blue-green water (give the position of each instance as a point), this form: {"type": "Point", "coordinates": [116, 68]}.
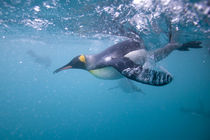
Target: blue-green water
{"type": "Point", "coordinates": [36, 37]}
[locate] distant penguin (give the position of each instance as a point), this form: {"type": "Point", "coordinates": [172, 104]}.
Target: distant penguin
{"type": "Point", "coordinates": [42, 60]}
{"type": "Point", "coordinates": [129, 59]}
{"type": "Point", "coordinates": [127, 86]}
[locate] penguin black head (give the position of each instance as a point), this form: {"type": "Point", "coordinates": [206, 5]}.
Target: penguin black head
{"type": "Point", "coordinates": [78, 62]}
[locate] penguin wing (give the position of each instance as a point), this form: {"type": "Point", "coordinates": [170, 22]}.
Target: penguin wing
{"type": "Point", "coordinates": [140, 74]}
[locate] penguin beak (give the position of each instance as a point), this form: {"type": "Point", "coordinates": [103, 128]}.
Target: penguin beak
{"type": "Point", "coordinates": [62, 68]}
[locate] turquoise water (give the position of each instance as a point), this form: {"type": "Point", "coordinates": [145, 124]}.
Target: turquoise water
{"type": "Point", "coordinates": [37, 37]}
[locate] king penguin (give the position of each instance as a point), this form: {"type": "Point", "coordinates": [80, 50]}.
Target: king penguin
{"type": "Point", "coordinates": [129, 59]}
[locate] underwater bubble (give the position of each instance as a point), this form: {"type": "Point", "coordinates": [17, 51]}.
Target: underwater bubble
{"type": "Point", "coordinates": [37, 8]}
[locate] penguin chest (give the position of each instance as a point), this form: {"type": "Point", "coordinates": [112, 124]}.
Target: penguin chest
{"type": "Point", "coordinates": [108, 73]}
{"type": "Point", "coordinates": [137, 56]}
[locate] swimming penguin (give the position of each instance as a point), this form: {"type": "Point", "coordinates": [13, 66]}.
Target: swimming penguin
{"type": "Point", "coordinates": [129, 59]}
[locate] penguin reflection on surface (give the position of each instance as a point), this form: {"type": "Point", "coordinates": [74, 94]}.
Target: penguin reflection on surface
{"type": "Point", "coordinates": [129, 59]}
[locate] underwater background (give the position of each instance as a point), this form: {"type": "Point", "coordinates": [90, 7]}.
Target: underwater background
{"type": "Point", "coordinates": [38, 36]}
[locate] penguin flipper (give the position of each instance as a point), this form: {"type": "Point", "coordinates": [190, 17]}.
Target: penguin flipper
{"type": "Point", "coordinates": [137, 73]}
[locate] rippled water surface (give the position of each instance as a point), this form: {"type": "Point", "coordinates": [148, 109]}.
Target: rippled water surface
{"type": "Point", "coordinates": [38, 36]}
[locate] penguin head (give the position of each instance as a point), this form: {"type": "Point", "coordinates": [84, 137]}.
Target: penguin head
{"type": "Point", "coordinates": [78, 62]}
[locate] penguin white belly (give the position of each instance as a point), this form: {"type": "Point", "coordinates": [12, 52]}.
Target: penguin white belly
{"type": "Point", "coordinates": [137, 56]}
{"type": "Point", "coordinates": [108, 73]}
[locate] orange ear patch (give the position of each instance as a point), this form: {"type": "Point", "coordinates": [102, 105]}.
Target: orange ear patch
{"type": "Point", "coordinates": [82, 58]}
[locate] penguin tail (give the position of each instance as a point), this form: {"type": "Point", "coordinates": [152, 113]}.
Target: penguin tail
{"type": "Point", "coordinates": [191, 44]}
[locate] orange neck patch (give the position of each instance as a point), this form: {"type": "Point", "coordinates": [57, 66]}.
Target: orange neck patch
{"type": "Point", "coordinates": [82, 58]}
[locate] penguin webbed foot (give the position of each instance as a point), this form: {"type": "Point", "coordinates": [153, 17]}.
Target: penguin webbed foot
{"type": "Point", "coordinates": [191, 44]}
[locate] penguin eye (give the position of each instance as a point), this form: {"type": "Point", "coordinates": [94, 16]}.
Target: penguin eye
{"type": "Point", "coordinates": [82, 58]}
